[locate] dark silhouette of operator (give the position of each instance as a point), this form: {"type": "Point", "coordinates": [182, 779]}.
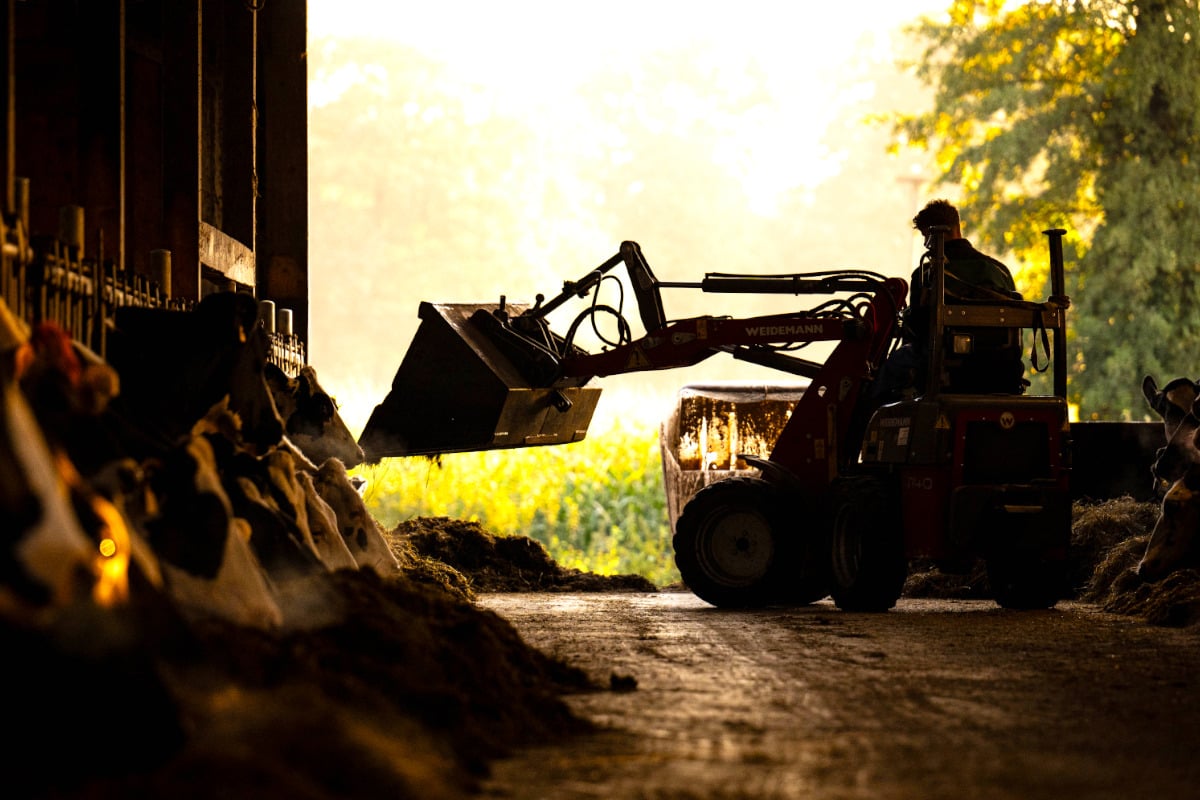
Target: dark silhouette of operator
{"type": "Point", "coordinates": [969, 276]}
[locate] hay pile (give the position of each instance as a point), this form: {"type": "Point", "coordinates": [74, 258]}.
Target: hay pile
{"type": "Point", "coordinates": [1173, 601]}
{"type": "Point", "coordinates": [1108, 538]}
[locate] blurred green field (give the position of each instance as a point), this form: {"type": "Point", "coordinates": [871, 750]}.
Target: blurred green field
{"type": "Point", "coordinates": [597, 505]}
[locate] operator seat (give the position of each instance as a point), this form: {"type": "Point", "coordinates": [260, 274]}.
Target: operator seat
{"type": "Point", "coordinates": [993, 365]}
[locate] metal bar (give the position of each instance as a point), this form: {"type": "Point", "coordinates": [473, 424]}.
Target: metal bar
{"type": "Point", "coordinates": [575, 288]}
{"type": "Point", "coordinates": [937, 301]}
{"type": "Point", "coordinates": [1058, 290]}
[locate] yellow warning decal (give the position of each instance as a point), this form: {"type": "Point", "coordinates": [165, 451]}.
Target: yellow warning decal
{"type": "Point", "coordinates": [943, 423]}
{"type": "Point", "coordinates": [637, 359]}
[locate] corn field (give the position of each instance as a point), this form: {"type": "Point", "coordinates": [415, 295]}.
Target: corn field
{"type": "Point", "coordinates": [597, 505]}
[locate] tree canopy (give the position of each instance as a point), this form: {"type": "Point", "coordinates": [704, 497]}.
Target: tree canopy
{"type": "Point", "coordinates": [1080, 114]}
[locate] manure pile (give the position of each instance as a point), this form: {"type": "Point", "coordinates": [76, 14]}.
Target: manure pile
{"type": "Point", "coordinates": [488, 563]}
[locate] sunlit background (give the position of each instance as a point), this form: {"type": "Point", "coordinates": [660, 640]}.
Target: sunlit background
{"type": "Point", "coordinates": [460, 151]}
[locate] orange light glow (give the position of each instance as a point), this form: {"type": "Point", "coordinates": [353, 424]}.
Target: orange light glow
{"type": "Point", "coordinates": [111, 562]}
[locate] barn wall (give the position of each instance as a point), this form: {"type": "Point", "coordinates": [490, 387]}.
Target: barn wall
{"type": "Point", "coordinates": [161, 127]}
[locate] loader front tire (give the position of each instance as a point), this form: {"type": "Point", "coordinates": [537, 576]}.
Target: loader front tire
{"type": "Point", "coordinates": [728, 545]}
{"type": "Point", "coordinates": [869, 565]}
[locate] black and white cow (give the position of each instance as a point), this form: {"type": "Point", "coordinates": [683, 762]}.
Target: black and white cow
{"type": "Point", "coordinates": [61, 544]}
{"type": "Point", "coordinates": [310, 417]}
{"type": "Point", "coordinates": [359, 529]}
{"type": "Point", "coordinates": [1175, 404]}
{"type": "Point", "coordinates": [209, 566]}
{"type": "Point", "coordinates": [1175, 540]}
{"type": "Point", "coordinates": [176, 365]}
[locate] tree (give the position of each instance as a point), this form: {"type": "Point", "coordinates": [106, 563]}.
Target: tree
{"type": "Point", "coordinates": [1080, 114]}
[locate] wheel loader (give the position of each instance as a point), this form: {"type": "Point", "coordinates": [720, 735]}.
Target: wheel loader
{"type": "Point", "coordinates": [956, 468]}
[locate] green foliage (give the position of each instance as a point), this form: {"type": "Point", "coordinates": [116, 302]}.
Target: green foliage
{"type": "Point", "coordinates": [597, 505]}
{"type": "Point", "coordinates": [1139, 310]}
{"type": "Point", "coordinates": [1080, 114]}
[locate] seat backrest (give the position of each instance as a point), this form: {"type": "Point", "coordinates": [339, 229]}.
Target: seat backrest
{"type": "Point", "coordinates": [994, 366]}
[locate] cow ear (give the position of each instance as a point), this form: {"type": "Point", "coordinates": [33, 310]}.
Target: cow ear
{"type": "Point", "coordinates": [1191, 478]}
{"type": "Point", "coordinates": [308, 381]}
{"type": "Point", "coordinates": [274, 374]}
{"type": "Point", "coordinates": [1150, 390]}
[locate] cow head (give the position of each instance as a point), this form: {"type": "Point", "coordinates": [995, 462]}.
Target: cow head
{"type": "Point", "coordinates": [311, 418]}
{"type": "Point", "coordinates": [1175, 404]}
{"type": "Point", "coordinates": [175, 365]}
{"type": "Point", "coordinates": [1173, 542]}
{"type": "Point", "coordinates": [360, 531]}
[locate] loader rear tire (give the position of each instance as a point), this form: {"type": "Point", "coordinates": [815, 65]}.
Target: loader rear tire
{"type": "Point", "coordinates": [868, 561]}
{"type": "Point", "coordinates": [732, 546]}
{"type": "Point", "coordinates": [1025, 581]}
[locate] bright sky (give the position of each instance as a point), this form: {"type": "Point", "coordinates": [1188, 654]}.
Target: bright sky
{"type": "Point", "coordinates": [527, 57]}
{"type": "Point", "coordinates": [523, 36]}
{"type": "Point", "coordinates": [533, 53]}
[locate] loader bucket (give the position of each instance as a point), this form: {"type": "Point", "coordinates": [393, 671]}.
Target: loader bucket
{"type": "Point", "coordinates": [710, 425]}
{"type": "Point", "coordinates": [457, 390]}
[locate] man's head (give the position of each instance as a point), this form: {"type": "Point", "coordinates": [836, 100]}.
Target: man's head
{"type": "Point", "coordinates": [938, 212]}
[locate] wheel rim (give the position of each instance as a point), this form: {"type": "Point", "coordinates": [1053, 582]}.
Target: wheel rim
{"type": "Point", "coordinates": [847, 548]}
{"type": "Point", "coordinates": [735, 548]}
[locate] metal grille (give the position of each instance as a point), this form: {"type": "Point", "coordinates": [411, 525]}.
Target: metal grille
{"type": "Point", "coordinates": [1016, 455]}
{"type": "Point", "coordinates": [46, 280]}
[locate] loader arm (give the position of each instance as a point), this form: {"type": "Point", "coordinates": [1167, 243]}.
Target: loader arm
{"type": "Point", "coordinates": [483, 376]}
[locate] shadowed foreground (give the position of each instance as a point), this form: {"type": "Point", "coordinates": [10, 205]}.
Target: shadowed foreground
{"type": "Point", "coordinates": [601, 686]}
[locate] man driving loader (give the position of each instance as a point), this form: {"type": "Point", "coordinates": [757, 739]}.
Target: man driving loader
{"type": "Point", "coordinates": [970, 276]}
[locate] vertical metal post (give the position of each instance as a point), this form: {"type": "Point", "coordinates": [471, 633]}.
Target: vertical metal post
{"type": "Point", "coordinates": [10, 109]}
{"type": "Point", "coordinates": [160, 261]}
{"type": "Point", "coordinates": [1058, 290]}
{"type": "Point", "coordinates": [937, 304]}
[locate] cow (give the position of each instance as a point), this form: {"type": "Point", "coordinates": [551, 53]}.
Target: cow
{"type": "Point", "coordinates": [69, 542]}
{"type": "Point", "coordinates": [264, 491]}
{"type": "Point", "coordinates": [310, 417]}
{"type": "Point", "coordinates": [1174, 541]}
{"type": "Point", "coordinates": [323, 527]}
{"type": "Point", "coordinates": [292, 532]}
{"type": "Point", "coordinates": [48, 562]}
{"type": "Point", "coordinates": [210, 569]}
{"type": "Point", "coordinates": [359, 529]}
{"type": "Point", "coordinates": [1175, 404]}
{"type": "Point", "coordinates": [175, 365]}
{"type": "Point", "coordinates": [295, 531]}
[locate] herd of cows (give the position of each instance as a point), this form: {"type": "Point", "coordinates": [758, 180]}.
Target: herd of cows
{"type": "Point", "coordinates": [184, 466]}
